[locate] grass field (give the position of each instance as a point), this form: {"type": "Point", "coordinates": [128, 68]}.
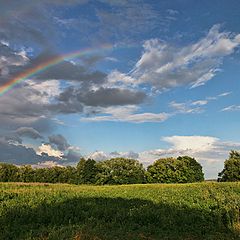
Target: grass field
{"type": "Point", "coordinates": [152, 211]}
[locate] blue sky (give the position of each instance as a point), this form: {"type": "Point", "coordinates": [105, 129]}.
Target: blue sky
{"type": "Point", "coordinates": [167, 86]}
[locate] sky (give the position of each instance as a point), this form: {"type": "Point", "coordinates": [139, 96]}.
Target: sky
{"type": "Point", "coordinates": [104, 79]}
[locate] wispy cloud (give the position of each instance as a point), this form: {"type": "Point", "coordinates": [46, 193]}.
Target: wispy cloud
{"type": "Point", "coordinates": [231, 108]}
{"type": "Point", "coordinates": [126, 114]}
{"type": "Point", "coordinates": [165, 66]}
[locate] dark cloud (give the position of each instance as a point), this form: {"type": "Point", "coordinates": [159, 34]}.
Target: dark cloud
{"type": "Point", "coordinates": [59, 141]}
{"type": "Point", "coordinates": [19, 154]}
{"type": "Point", "coordinates": [72, 156]}
{"type": "Point", "coordinates": [72, 100]}
{"type": "Point", "coordinates": [111, 97]}
{"type": "Point", "coordinates": [11, 138]}
{"type": "Point", "coordinates": [69, 71]}
{"type": "Point", "coordinates": [24, 107]}
{"type": "Point", "coordinates": [28, 132]}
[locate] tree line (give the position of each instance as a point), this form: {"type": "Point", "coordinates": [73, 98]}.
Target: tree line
{"type": "Point", "coordinates": [182, 169]}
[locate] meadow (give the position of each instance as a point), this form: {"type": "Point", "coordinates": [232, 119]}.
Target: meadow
{"type": "Point", "coordinates": [207, 210]}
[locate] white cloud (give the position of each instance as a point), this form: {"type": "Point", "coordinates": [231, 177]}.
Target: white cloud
{"type": "Point", "coordinates": [200, 102]}
{"type": "Point", "coordinates": [118, 78]}
{"type": "Point", "coordinates": [126, 114]}
{"type": "Point", "coordinates": [224, 94]}
{"type": "Point", "coordinates": [186, 107]}
{"type": "Point", "coordinates": [46, 148]}
{"type": "Point", "coordinates": [164, 66]}
{"type": "Point", "coordinates": [48, 89]}
{"type": "Point", "coordinates": [193, 143]}
{"type": "Point", "coordinates": [98, 156]}
{"type": "Point", "coordinates": [231, 108]}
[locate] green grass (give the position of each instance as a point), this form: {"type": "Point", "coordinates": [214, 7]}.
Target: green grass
{"type": "Point", "coordinates": [152, 211]}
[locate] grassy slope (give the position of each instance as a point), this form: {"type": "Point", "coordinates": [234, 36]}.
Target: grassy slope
{"type": "Point", "coordinates": [157, 211]}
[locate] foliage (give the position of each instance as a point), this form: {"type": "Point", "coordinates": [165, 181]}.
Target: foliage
{"type": "Point", "coordinates": [8, 173]}
{"type": "Point", "coordinates": [86, 171]}
{"type": "Point", "coordinates": [170, 170]}
{"type": "Point", "coordinates": [196, 211]}
{"type": "Point", "coordinates": [231, 171]}
{"type": "Point", "coordinates": [120, 171]}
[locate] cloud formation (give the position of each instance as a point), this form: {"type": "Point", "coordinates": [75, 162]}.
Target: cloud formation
{"type": "Point", "coordinates": [59, 141]}
{"type": "Point", "coordinates": [164, 66]}
{"type": "Point", "coordinates": [28, 132]}
{"type": "Point", "coordinates": [126, 114]}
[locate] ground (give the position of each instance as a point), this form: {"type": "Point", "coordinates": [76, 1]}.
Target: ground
{"type": "Point", "coordinates": [146, 211]}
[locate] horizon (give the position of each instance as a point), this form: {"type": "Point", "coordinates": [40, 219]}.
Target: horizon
{"type": "Point", "coordinates": [105, 79]}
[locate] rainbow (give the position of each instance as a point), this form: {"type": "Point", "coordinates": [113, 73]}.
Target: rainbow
{"type": "Point", "coordinates": [48, 64]}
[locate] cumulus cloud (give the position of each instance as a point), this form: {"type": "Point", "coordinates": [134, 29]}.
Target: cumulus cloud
{"type": "Point", "coordinates": [47, 149]}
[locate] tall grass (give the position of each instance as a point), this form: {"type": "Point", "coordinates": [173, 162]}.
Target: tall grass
{"type": "Point", "coordinates": [150, 211]}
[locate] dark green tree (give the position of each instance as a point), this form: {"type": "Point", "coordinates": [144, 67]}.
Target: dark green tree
{"type": "Point", "coordinates": [231, 170]}
{"type": "Point", "coordinates": [26, 174]}
{"type": "Point", "coordinates": [189, 170]}
{"type": "Point", "coordinates": [9, 173]}
{"type": "Point", "coordinates": [68, 175]}
{"type": "Point", "coordinates": [120, 171]}
{"type": "Point", "coordinates": [86, 171]}
{"type": "Point", "coordinates": [171, 170]}
{"type": "Point", "coordinates": [162, 171]}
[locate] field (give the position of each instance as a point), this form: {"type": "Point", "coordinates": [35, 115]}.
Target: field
{"type": "Point", "coordinates": [153, 211]}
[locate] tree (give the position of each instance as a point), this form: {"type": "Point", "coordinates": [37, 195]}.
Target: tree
{"type": "Point", "coordinates": [190, 170]}
{"type": "Point", "coordinates": [26, 173]}
{"type": "Point", "coordinates": [231, 170]}
{"type": "Point", "coordinates": [86, 171]}
{"type": "Point", "coordinates": [68, 175]}
{"type": "Point", "coordinates": [9, 173]}
{"type": "Point", "coordinates": [171, 170]}
{"type": "Point", "coordinates": [120, 171]}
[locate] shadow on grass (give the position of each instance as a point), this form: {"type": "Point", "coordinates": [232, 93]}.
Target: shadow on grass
{"type": "Point", "coordinates": [113, 218]}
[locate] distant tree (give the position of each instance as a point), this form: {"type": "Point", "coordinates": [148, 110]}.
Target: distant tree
{"type": "Point", "coordinates": [68, 175]}
{"type": "Point", "coordinates": [86, 171]}
{"type": "Point", "coordinates": [9, 173]}
{"type": "Point", "coordinates": [26, 174]}
{"type": "Point", "coordinates": [189, 170]}
{"type": "Point", "coordinates": [171, 170]}
{"type": "Point", "coordinates": [161, 171]}
{"type": "Point", "coordinates": [120, 171]}
{"type": "Point", "coordinates": [231, 171]}
{"type": "Point", "coordinates": [41, 175]}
